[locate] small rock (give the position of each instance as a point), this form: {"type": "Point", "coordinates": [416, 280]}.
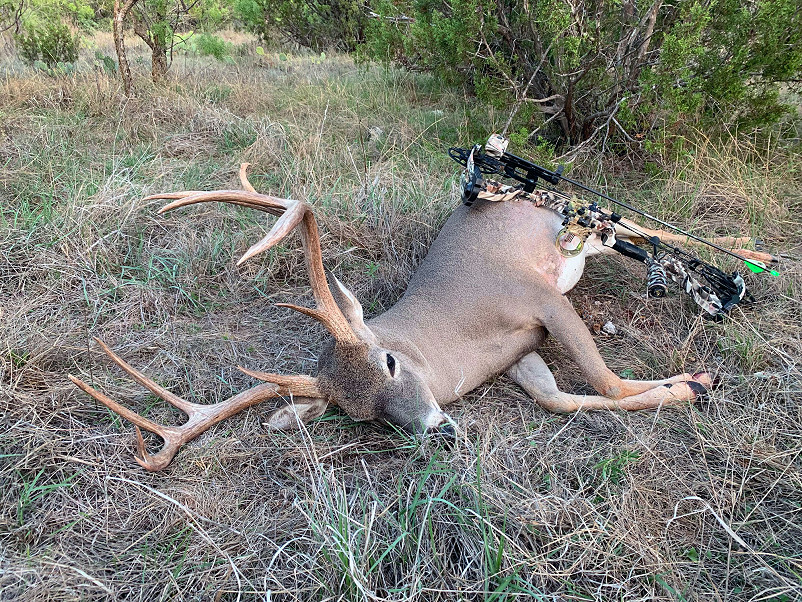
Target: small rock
{"type": "Point", "coordinates": [609, 328]}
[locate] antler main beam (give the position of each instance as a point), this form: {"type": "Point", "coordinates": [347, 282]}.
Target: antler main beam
{"type": "Point", "coordinates": [292, 213]}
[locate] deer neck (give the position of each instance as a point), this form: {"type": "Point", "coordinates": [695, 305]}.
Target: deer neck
{"type": "Point", "coordinates": [452, 356]}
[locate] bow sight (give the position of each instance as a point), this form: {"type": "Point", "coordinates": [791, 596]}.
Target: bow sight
{"type": "Point", "coordinates": [713, 290]}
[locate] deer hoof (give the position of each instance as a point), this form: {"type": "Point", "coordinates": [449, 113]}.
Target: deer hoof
{"type": "Point", "coordinates": [701, 385]}
{"type": "Point", "coordinates": [699, 390]}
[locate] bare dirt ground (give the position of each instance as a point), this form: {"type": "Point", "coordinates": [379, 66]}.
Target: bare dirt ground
{"type": "Point", "coordinates": [703, 503]}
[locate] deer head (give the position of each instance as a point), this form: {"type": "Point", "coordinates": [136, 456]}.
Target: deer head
{"type": "Point", "coordinates": [368, 380]}
{"type": "Point", "coordinates": [356, 372]}
{"type": "Point", "coordinates": [375, 381]}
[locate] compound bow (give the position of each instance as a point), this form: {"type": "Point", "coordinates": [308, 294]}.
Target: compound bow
{"type": "Point", "coordinates": [712, 289]}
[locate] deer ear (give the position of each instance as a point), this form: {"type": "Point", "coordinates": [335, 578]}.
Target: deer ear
{"type": "Point", "coordinates": [351, 308]}
{"type": "Point", "coordinates": [292, 415]}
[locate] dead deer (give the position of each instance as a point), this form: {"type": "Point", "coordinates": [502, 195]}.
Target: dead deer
{"type": "Point", "coordinates": [490, 289]}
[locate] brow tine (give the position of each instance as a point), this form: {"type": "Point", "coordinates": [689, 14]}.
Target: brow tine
{"type": "Point", "coordinates": [298, 385]}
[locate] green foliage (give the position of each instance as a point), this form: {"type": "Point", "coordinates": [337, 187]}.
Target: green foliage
{"type": "Point", "coordinates": [107, 63]}
{"type": "Point", "coordinates": [612, 469]}
{"type": "Point", "coordinates": [207, 44]}
{"type": "Point", "coordinates": [33, 490]}
{"type": "Point", "coordinates": [80, 13]}
{"type": "Point", "coordinates": [10, 12]}
{"type": "Point", "coordinates": [27, 43]}
{"type": "Point", "coordinates": [55, 70]}
{"type": "Point", "coordinates": [45, 36]}
{"type": "Point", "coordinates": [155, 21]}
{"type": "Point", "coordinates": [316, 24]}
{"type": "Point", "coordinates": [51, 43]}
{"type": "Point", "coordinates": [609, 72]}
{"type": "Point", "coordinates": [184, 41]}
{"type": "Point", "coordinates": [209, 15]}
{"type": "Point", "coordinates": [438, 38]}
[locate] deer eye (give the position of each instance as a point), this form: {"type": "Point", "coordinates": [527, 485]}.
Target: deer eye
{"type": "Point", "coordinates": [391, 365]}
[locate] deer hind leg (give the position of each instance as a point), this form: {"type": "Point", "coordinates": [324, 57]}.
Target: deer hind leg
{"type": "Point", "coordinates": [735, 243]}
{"type": "Point", "coordinates": [562, 321]}
{"type": "Point", "coordinates": [534, 377]}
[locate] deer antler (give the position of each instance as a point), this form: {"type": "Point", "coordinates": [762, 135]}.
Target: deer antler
{"type": "Point", "coordinates": [201, 416]}
{"type": "Point", "coordinates": [292, 213]}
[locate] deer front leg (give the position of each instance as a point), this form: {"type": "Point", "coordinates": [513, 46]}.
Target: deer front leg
{"type": "Point", "coordinates": [562, 321]}
{"type": "Point", "coordinates": [534, 377]}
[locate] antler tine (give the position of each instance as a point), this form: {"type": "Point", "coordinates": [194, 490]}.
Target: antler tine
{"type": "Point", "coordinates": [253, 200]}
{"type": "Point", "coordinates": [285, 224]}
{"type": "Point", "coordinates": [292, 213]}
{"type": "Point", "coordinates": [169, 434]}
{"type": "Point", "coordinates": [243, 177]}
{"type": "Point", "coordinates": [298, 384]}
{"type": "Point", "coordinates": [327, 311]}
{"type": "Point", "coordinates": [201, 417]}
{"type": "Point", "coordinates": [146, 382]}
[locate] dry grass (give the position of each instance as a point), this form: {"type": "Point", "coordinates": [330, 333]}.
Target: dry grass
{"type": "Point", "coordinates": [699, 504]}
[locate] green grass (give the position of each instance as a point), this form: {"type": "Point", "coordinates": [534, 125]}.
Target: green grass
{"type": "Point", "coordinates": [33, 490]}
{"type": "Point", "coordinates": [525, 505]}
{"type": "Point", "coordinates": [612, 469]}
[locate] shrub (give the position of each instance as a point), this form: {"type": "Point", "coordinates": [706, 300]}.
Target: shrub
{"type": "Point", "coordinates": [599, 71]}
{"type": "Point", "coordinates": [51, 43]}
{"type": "Point", "coordinates": [209, 15]}
{"type": "Point", "coordinates": [27, 43]}
{"type": "Point", "coordinates": [315, 24]}
{"type": "Point", "coordinates": [211, 45]}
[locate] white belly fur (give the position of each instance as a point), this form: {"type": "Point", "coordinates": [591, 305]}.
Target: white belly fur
{"type": "Point", "coordinates": [571, 272]}
{"type": "Point", "coordinates": [562, 272]}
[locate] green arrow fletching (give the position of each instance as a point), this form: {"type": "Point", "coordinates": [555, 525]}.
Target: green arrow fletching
{"type": "Point", "coordinates": [758, 267]}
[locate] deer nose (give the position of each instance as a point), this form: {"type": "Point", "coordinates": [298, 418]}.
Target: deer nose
{"type": "Point", "coordinates": [447, 430]}
{"type": "Point", "coordinates": [444, 427]}
{"type": "Point", "coordinates": [445, 434]}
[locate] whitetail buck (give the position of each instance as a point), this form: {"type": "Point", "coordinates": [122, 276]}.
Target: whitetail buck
{"type": "Point", "coordinates": [491, 287]}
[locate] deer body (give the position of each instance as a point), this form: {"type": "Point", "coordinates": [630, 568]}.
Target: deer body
{"type": "Point", "coordinates": [491, 287]}
{"type": "Point", "coordinates": [477, 302]}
